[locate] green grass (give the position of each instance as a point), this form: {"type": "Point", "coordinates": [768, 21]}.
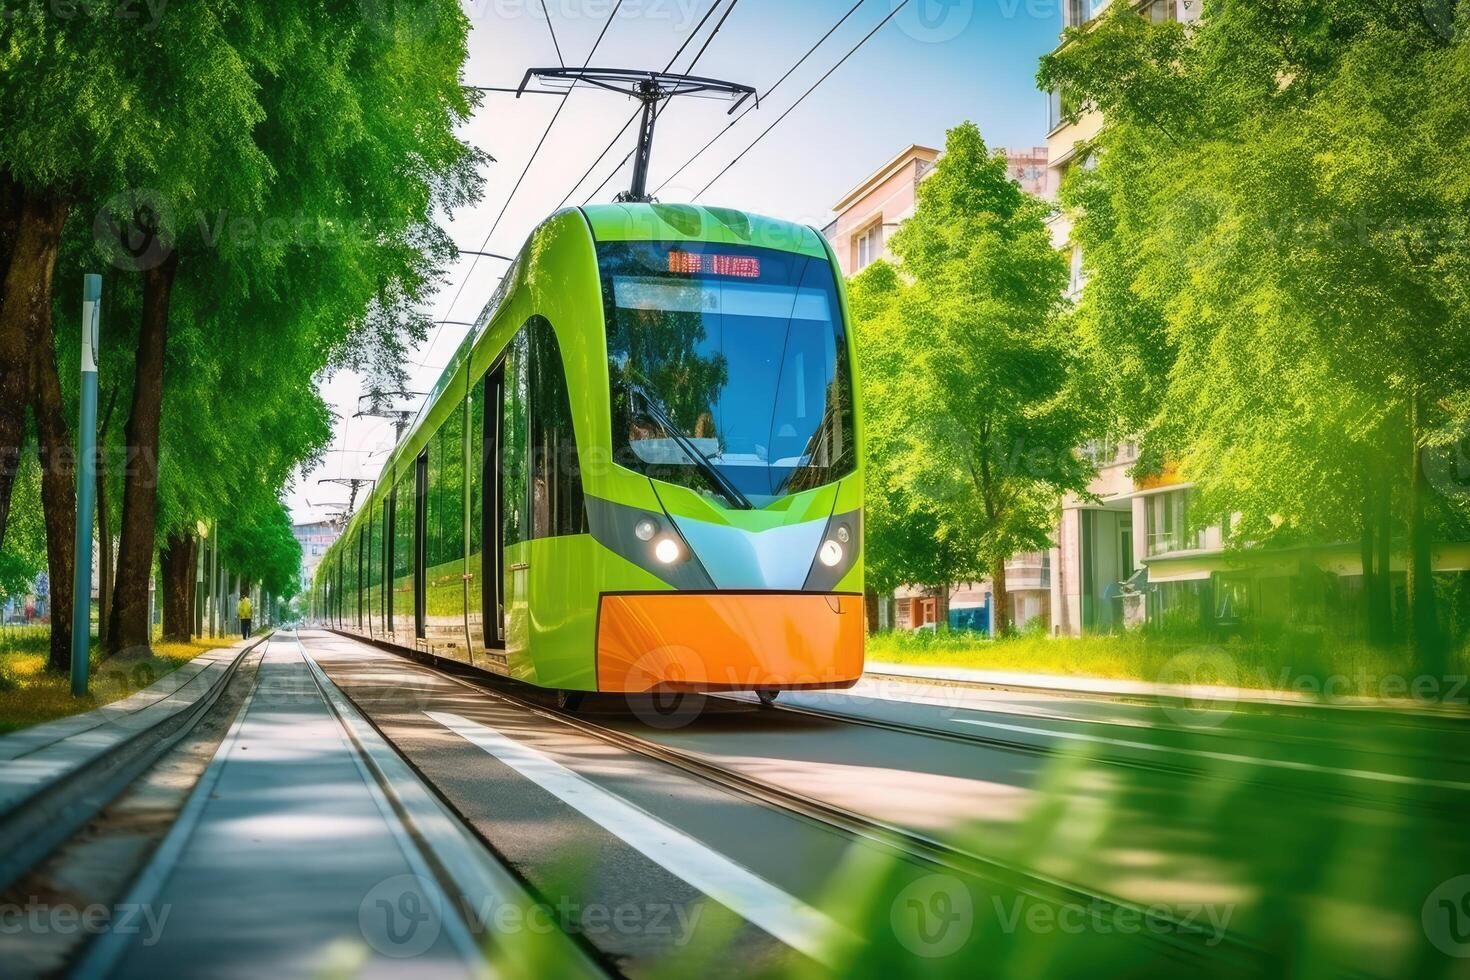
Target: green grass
{"type": "Point", "coordinates": [1310, 663]}
{"type": "Point", "coordinates": [30, 695]}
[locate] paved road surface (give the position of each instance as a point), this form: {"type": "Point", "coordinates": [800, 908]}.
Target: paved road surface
{"type": "Point", "coordinates": [278, 862]}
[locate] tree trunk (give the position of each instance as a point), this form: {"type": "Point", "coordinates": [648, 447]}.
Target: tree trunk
{"type": "Point", "coordinates": [58, 488]}
{"type": "Point", "coordinates": [999, 598]}
{"type": "Point", "coordinates": [130, 627]}
{"type": "Point", "coordinates": [14, 365]}
{"type": "Point", "coordinates": [1462, 595]}
{"type": "Point", "coordinates": [1372, 629]}
{"type": "Point", "coordinates": [941, 607]}
{"type": "Point", "coordinates": [1423, 617]}
{"type": "Point", "coordinates": [870, 609]}
{"type": "Point", "coordinates": [33, 238]}
{"type": "Point", "coordinates": [106, 555]}
{"type": "Point", "coordinates": [193, 583]}
{"type": "Point", "coordinates": [104, 558]}
{"type": "Point", "coordinates": [177, 565]}
{"type": "Point", "coordinates": [1383, 581]}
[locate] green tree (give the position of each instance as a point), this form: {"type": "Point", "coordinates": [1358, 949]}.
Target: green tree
{"type": "Point", "coordinates": [280, 227]}
{"type": "Point", "coordinates": [24, 554]}
{"type": "Point", "coordinates": [970, 379]}
{"type": "Point", "coordinates": [1276, 223]}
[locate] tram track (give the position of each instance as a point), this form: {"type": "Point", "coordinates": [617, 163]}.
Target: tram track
{"type": "Point", "coordinates": [995, 742]}
{"type": "Point", "coordinates": [1444, 719]}
{"type": "Point", "coordinates": [1186, 942]}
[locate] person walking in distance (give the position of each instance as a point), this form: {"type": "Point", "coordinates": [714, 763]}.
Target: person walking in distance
{"type": "Point", "coordinates": [244, 610]}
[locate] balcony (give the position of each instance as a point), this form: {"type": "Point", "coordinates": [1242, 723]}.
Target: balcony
{"type": "Point", "coordinates": [1028, 571]}
{"type": "Point", "coordinates": [1169, 540]}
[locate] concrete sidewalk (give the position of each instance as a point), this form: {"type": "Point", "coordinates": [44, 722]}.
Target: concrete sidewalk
{"type": "Point", "coordinates": [308, 848]}
{"type": "Point", "coordinates": [55, 776]}
{"type": "Point", "coordinates": [282, 856]}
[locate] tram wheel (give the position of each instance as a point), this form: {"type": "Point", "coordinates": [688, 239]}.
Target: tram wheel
{"type": "Point", "coordinates": [569, 700]}
{"type": "Point", "coordinates": [768, 698]}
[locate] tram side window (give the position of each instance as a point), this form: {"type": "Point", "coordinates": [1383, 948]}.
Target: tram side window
{"type": "Point", "coordinates": [376, 557]}
{"type": "Point", "coordinates": [446, 488]}
{"type": "Point", "coordinates": [403, 535]}
{"type": "Point", "coordinates": [380, 548]}
{"type": "Point", "coordinates": [353, 555]}
{"type": "Point", "coordinates": [475, 476]}
{"type": "Point", "coordinates": [513, 441]}
{"type": "Point", "coordinates": [557, 506]}
{"type": "Point", "coordinates": [433, 508]}
{"type": "Point", "coordinates": [359, 570]}
{"type": "Point", "coordinates": [369, 554]}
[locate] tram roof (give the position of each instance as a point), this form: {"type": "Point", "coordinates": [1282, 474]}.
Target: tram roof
{"type": "Point", "coordinates": [697, 223]}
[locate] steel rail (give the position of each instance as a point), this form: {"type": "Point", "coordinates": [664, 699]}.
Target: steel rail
{"type": "Point", "coordinates": [1187, 942]}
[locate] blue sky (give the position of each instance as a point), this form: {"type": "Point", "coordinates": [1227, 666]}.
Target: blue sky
{"type": "Point", "coordinates": [935, 64]}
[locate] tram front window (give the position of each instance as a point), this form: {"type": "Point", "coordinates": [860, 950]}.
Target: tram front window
{"type": "Point", "coordinates": [729, 368]}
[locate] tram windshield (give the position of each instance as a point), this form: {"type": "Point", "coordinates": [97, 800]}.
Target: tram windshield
{"type": "Point", "coordinates": [729, 368]}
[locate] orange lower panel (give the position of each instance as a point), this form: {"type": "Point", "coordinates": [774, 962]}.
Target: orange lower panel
{"type": "Point", "coordinates": [723, 640]}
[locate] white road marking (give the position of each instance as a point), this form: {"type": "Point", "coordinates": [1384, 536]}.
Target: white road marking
{"type": "Point", "coordinates": [789, 919]}
{"type": "Point", "coordinates": [1382, 777]}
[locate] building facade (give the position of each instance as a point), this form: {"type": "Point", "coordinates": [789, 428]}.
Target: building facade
{"type": "Point", "coordinates": [867, 215]}
{"type": "Point", "coordinates": [315, 537]}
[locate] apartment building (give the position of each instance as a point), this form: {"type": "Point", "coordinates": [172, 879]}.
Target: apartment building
{"type": "Point", "coordinates": [869, 214]}
{"type": "Point", "coordinates": [315, 537]}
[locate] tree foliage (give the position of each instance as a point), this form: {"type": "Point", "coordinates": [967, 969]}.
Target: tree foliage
{"type": "Point", "coordinates": [970, 379]}
{"type": "Point", "coordinates": [1275, 235]}
{"type": "Point", "coordinates": [258, 544]}
{"type": "Point", "coordinates": [262, 185]}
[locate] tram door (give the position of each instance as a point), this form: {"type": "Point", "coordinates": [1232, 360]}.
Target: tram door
{"type": "Point", "coordinates": [492, 516]}
{"type": "Point", "coordinates": [421, 492]}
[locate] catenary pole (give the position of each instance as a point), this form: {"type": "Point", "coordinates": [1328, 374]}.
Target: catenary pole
{"type": "Point", "coordinates": [81, 617]}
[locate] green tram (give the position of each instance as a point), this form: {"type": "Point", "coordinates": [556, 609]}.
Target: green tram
{"type": "Point", "coordinates": [642, 471]}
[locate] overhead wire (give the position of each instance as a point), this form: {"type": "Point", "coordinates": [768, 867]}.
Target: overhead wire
{"type": "Point", "coordinates": [792, 108]}
{"type": "Point", "coordinates": [768, 93]}
{"type": "Point", "coordinates": [614, 141]}
{"type": "Point", "coordinates": [439, 327]}
{"type": "Point", "coordinates": [659, 112]}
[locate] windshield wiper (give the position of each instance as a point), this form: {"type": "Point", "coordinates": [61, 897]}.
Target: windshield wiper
{"type": "Point", "coordinates": [699, 459]}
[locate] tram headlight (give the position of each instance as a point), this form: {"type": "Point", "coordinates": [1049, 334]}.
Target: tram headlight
{"type": "Point", "coordinates": [667, 550]}
{"type": "Point", "coordinates": [830, 553]}
{"type": "Point", "coordinates": [645, 529]}
{"type": "Point", "coordinates": [843, 534]}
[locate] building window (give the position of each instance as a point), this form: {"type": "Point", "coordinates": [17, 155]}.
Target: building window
{"type": "Point", "coordinates": [1158, 11]}
{"type": "Point", "coordinates": [869, 246]}
{"type": "Point", "coordinates": [1168, 523]}
{"type": "Point", "coordinates": [1078, 278]}
{"type": "Point", "coordinates": [1100, 452]}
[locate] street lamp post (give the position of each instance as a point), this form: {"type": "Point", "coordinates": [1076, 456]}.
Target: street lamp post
{"type": "Point", "coordinates": [81, 614]}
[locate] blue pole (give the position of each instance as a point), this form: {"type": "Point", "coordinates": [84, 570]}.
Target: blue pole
{"type": "Point", "coordinates": [81, 615]}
